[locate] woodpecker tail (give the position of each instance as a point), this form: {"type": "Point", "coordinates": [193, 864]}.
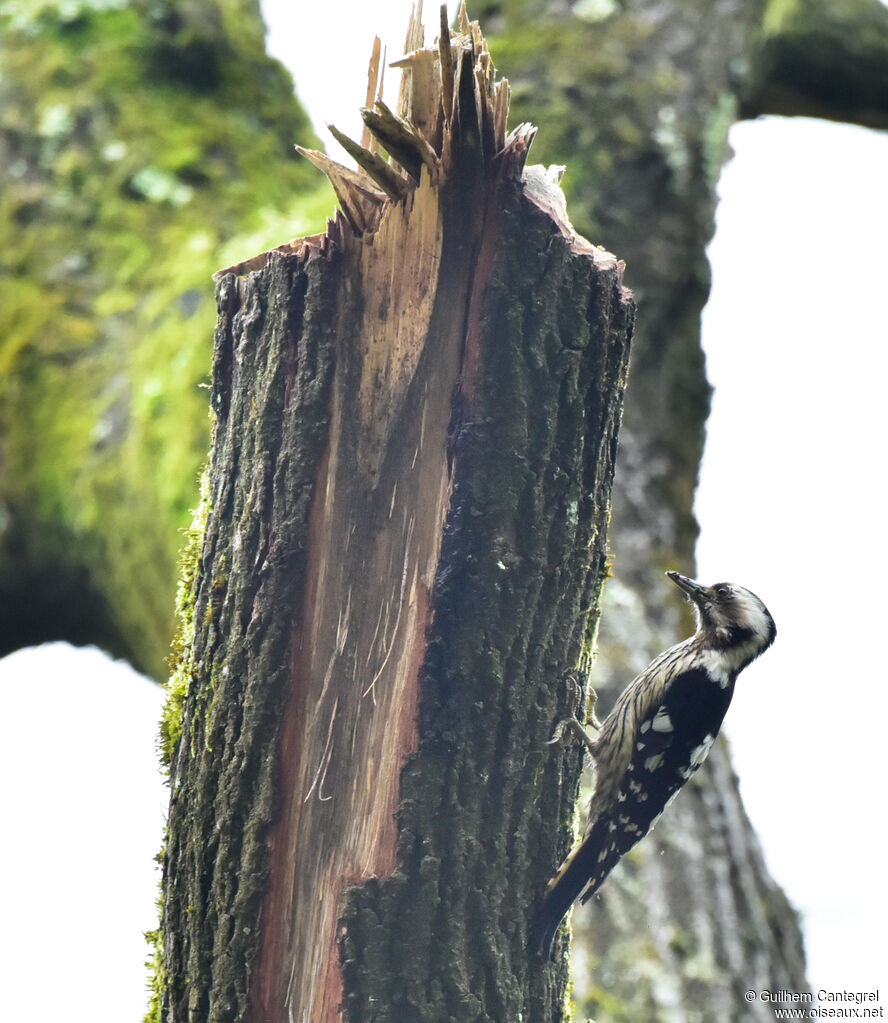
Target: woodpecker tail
{"type": "Point", "coordinates": [585, 869]}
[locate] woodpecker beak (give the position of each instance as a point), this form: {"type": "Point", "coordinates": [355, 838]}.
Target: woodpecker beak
{"type": "Point", "coordinates": [695, 591]}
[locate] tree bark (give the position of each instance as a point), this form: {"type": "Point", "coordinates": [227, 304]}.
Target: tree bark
{"type": "Point", "coordinates": [397, 589]}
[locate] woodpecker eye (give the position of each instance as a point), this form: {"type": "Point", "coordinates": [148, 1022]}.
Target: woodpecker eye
{"type": "Point", "coordinates": [723, 591]}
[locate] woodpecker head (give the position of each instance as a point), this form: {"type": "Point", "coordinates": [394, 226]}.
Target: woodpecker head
{"type": "Point", "coordinates": [729, 617]}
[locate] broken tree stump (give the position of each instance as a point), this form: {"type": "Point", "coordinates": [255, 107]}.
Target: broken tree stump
{"type": "Point", "coordinates": [395, 588]}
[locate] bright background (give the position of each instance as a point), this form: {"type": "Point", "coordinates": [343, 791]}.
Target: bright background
{"type": "Point", "coordinates": [791, 504]}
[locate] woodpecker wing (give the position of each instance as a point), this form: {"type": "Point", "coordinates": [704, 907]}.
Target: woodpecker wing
{"type": "Point", "coordinates": [670, 742]}
{"type": "Point", "coordinates": [639, 702]}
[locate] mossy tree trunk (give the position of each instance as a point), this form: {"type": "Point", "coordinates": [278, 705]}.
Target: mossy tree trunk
{"type": "Point", "coordinates": [408, 493]}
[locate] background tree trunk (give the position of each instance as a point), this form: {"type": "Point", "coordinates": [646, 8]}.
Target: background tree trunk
{"type": "Point", "coordinates": [416, 421]}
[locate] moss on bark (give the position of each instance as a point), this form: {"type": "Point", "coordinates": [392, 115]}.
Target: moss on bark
{"type": "Point", "coordinates": [134, 141]}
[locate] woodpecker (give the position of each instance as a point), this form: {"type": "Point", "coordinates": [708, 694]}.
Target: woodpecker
{"type": "Point", "coordinates": [657, 735]}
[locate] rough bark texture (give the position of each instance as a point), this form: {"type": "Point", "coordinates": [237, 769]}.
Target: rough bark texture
{"type": "Point", "coordinates": [416, 421]}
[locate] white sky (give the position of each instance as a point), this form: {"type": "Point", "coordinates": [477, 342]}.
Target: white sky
{"type": "Point", "coordinates": [83, 813]}
{"type": "Point", "coordinates": [791, 504]}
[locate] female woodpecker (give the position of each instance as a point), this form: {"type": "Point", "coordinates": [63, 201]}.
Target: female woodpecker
{"type": "Point", "coordinates": [658, 734]}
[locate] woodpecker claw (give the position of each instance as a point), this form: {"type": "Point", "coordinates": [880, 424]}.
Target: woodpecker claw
{"type": "Point", "coordinates": [569, 729]}
{"type": "Point", "coordinates": [557, 735]}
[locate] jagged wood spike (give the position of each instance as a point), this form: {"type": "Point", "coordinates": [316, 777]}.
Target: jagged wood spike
{"type": "Point", "coordinates": [465, 26]}
{"type": "Point", "coordinates": [401, 140]}
{"type": "Point", "coordinates": [397, 146]}
{"type": "Point", "coordinates": [501, 113]}
{"type": "Point", "coordinates": [351, 179]}
{"type": "Point", "coordinates": [485, 114]}
{"type": "Point", "coordinates": [424, 101]}
{"type": "Point", "coordinates": [467, 98]}
{"type": "Point", "coordinates": [446, 60]}
{"type": "Point", "coordinates": [479, 45]}
{"type": "Point", "coordinates": [415, 31]}
{"type": "Point", "coordinates": [457, 78]}
{"type": "Point", "coordinates": [359, 200]}
{"type": "Point", "coordinates": [517, 146]}
{"type": "Point", "coordinates": [368, 141]}
{"type": "Point", "coordinates": [414, 40]}
{"type": "Point", "coordinates": [388, 179]}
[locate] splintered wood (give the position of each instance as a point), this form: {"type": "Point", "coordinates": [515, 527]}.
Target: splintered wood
{"type": "Point", "coordinates": [449, 97]}
{"type": "Point", "coordinates": [420, 135]}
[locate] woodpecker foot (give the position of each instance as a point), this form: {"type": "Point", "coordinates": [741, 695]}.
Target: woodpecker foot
{"type": "Point", "coordinates": [582, 697]}
{"type": "Point", "coordinates": [570, 730]}
{"type": "Point", "coordinates": [592, 718]}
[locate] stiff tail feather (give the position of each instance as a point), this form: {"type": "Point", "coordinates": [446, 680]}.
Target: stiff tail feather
{"type": "Point", "coordinates": [583, 868]}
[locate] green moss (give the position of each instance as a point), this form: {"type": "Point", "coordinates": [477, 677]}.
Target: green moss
{"type": "Point", "coordinates": [180, 663]}
{"type": "Point", "coordinates": [154, 965]}
{"type": "Point", "coordinates": [177, 687]}
{"type": "Point", "coordinates": [779, 15]}
{"type": "Point", "coordinates": [607, 1006]}
{"type": "Point", "coordinates": [715, 135]}
{"type": "Point", "coordinates": [131, 176]}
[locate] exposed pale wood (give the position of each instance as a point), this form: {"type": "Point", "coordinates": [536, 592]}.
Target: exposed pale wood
{"type": "Point", "coordinates": [445, 60]}
{"type": "Point", "coordinates": [414, 40]}
{"type": "Point", "coordinates": [374, 85]}
{"type": "Point", "coordinates": [465, 26]}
